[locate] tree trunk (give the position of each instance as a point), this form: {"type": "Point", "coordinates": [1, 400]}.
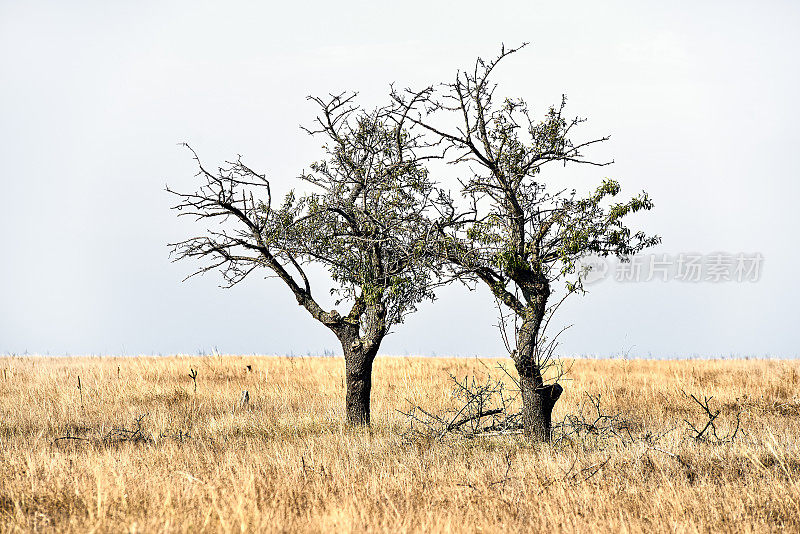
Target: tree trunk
{"type": "Point", "coordinates": [537, 408]}
{"type": "Point", "coordinates": [358, 375]}
{"type": "Point", "coordinates": [538, 398]}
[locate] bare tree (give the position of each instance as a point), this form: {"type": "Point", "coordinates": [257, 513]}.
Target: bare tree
{"type": "Point", "coordinates": [512, 230]}
{"type": "Point", "coordinates": [365, 222]}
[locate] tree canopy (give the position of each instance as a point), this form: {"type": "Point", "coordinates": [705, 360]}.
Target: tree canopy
{"type": "Point", "coordinates": [364, 218]}
{"type": "Point", "coordinates": [512, 227]}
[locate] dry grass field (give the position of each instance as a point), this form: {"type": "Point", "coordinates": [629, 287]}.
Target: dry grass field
{"type": "Point", "coordinates": [197, 461]}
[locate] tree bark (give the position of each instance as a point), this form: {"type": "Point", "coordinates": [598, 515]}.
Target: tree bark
{"type": "Point", "coordinates": [537, 408]}
{"type": "Point", "coordinates": [538, 398]}
{"type": "Point", "coordinates": [358, 377]}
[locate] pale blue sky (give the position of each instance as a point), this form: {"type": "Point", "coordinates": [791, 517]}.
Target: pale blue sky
{"type": "Point", "coordinates": [700, 100]}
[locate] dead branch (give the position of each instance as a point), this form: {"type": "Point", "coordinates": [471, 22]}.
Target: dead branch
{"type": "Point", "coordinates": [708, 432]}
{"type": "Point", "coordinates": [592, 422]}
{"type": "Point", "coordinates": [481, 407]}
{"type": "Point", "coordinates": [115, 436]}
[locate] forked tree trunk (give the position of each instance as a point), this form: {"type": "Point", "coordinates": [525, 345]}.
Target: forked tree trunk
{"type": "Point", "coordinates": [538, 399]}
{"type": "Point", "coordinates": [537, 408]}
{"type": "Point", "coordinates": [358, 376]}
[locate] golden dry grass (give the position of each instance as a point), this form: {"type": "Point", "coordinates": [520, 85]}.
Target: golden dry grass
{"type": "Point", "coordinates": [286, 462]}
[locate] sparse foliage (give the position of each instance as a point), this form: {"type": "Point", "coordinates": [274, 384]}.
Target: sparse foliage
{"type": "Point", "coordinates": [515, 230]}
{"type": "Point", "coordinates": [364, 221]}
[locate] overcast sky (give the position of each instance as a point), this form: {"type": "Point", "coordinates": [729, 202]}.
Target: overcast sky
{"type": "Point", "coordinates": [700, 100]}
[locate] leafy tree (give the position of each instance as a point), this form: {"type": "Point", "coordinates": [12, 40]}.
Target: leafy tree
{"type": "Point", "coordinates": [364, 222]}
{"type": "Point", "coordinates": [515, 230]}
